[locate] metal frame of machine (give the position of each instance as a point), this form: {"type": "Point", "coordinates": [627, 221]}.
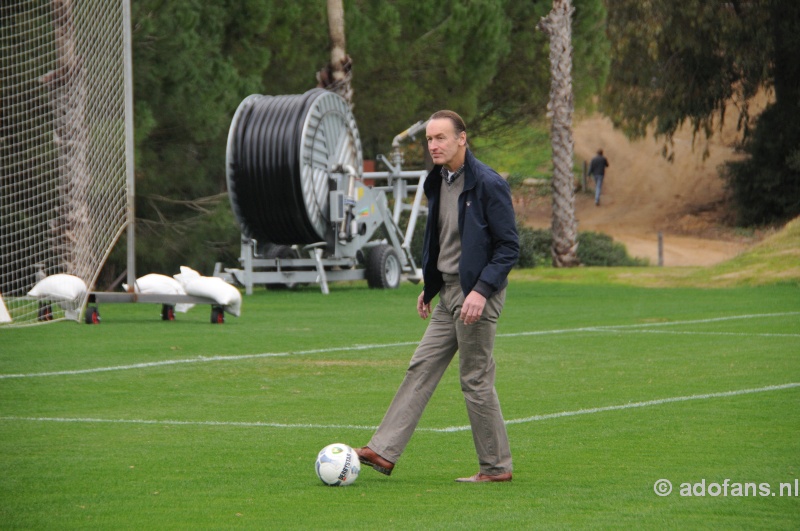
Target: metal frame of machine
{"type": "Point", "coordinates": [357, 211]}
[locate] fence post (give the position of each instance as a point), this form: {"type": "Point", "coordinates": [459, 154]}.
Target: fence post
{"type": "Point", "coordinates": [583, 178]}
{"type": "Point", "coordinates": [660, 249]}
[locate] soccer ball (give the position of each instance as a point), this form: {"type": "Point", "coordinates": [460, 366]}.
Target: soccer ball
{"type": "Point", "coordinates": [337, 465]}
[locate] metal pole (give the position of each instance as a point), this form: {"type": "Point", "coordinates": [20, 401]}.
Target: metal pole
{"type": "Point", "coordinates": [248, 248]}
{"type": "Point", "coordinates": [583, 177]}
{"type": "Point", "coordinates": [129, 147]}
{"type": "Point", "coordinates": [660, 249]}
{"type": "Point", "coordinates": [412, 219]}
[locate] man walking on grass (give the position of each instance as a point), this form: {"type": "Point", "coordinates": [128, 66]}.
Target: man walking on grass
{"type": "Point", "coordinates": [470, 246]}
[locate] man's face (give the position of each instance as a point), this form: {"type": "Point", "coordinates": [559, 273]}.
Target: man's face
{"type": "Point", "coordinates": [445, 146]}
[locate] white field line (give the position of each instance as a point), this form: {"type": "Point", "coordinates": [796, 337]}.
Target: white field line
{"type": "Point", "coordinates": [165, 422]}
{"type": "Point", "coordinates": [208, 359]}
{"type": "Point", "coordinates": [649, 325]}
{"type": "Point", "coordinates": [647, 403]}
{"type": "Point", "coordinates": [450, 429]}
{"type": "Point", "coordinates": [688, 333]}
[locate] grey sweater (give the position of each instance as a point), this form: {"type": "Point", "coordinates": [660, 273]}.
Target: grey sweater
{"type": "Point", "coordinates": [449, 237]}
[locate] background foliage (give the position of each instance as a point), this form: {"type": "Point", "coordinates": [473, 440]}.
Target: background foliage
{"type": "Point", "coordinates": [194, 62]}
{"type": "Point", "coordinates": [657, 62]}
{"type": "Point", "coordinates": [594, 249]}
{"type": "Point", "coordinates": [674, 62]}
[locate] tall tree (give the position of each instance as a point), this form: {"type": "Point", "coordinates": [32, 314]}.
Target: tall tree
{"type": "Point", "coordinates": [194, 62]}
{"type": "Point", "coordinates": [679, 62]}
{"type": "Point", "coordinates": [766, 185]}
{"type": "Point", "coordinates": [519, 91]}
{"type": "Point", "coordinates": [558, 26]}
{"type": "Point", "coordinates": [336, 75]}
{"type": "Point", "coordinates": [68, 102]}
{"type": "Point", "coordinates": [417, 57]}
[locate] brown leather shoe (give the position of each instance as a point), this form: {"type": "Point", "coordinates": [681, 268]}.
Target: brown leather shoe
{"type": "Point", "coordinates": [370, 458]}
{"type": "Point", "coordinates": [484, 478]}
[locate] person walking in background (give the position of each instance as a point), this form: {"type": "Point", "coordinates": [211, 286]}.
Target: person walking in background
{"type": "Point", "coordinates": [470, 246]}
{"type": "Point", "coordinates": [597, 169]}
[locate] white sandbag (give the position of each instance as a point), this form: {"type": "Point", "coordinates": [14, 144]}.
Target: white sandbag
{"type": "Point", "coordinates": [155, 284]}
{"type": "Point", "coordinates": [187, 274]}
{"type": "Point", "coordinates": [213, 288]}
{"type": "Point", "coordinates": [68, 291]}
{"type": "Point", "coordinates": [5, 317]}
{"type": "Point", "coordinates": [60, 288]}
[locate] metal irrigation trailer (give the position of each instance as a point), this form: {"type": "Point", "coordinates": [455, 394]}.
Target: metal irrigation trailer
{"type": "Point", "coordinates": [307, 211]}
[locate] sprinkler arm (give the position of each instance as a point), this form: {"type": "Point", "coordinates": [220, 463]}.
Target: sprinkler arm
{"type": "Point", "coordinates": [349, 200]}
{"type": "Point", "coordinates": [397, 156]}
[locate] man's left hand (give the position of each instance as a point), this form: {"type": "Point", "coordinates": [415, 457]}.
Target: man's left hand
{"type": "Point", "coordinates": [472, 308]}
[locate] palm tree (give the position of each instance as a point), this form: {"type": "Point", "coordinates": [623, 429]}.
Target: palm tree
{"type": "Point", "coordinates": [72, 237]}
{"type": "Point", "coordinates": [336, 76]}
{"type": "Point", "coordinates": [557, 25]}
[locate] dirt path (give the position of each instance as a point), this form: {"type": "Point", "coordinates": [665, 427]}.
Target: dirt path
{"type": "Point", "coordinates": [643, 194]}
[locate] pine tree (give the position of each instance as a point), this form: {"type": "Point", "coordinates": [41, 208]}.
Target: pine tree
{"type": "Point", "coordinates": [684, 62]}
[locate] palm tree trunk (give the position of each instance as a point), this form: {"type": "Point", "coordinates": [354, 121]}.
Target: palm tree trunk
{"type": "Point", "coordinates": [336, 76]}
{"type": "Point", "coordinates": [557, 25]}
{"type": "Point", "coordinates": [72, 233]}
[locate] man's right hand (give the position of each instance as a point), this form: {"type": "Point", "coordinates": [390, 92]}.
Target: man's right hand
{"type": "Point", "coordinates": [423, 309]}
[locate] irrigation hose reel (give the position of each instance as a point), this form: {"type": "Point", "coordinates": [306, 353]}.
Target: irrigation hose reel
{"type": "Point", "coordinates": [294, 175]}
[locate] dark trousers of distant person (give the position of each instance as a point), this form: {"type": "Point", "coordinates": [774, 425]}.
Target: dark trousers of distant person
{"type": "Point", "coordinates": [598, 187]}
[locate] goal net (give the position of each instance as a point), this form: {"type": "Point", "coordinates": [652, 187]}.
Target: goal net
{"type": "Point", "coordinates": [66, 168]}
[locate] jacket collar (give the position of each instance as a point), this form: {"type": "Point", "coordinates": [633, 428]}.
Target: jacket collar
{"type": "Point", "coordinates": [434, 178]}
{"type": "Point", "coordinates": [469, 170]}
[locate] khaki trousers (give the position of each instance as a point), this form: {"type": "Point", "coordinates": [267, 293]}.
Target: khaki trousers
{"type": "Point", "coordinates": [445, 335]}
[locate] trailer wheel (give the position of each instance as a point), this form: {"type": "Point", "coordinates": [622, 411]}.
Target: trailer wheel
{"type": "Point", "coordinates": [167, 312]}
{"type": "Point", "coordinates": [383, 267]}
{"type": "Point", "coordinates": [45, 312]}
{"type": "Point", "coordinates": [281, 251]}
{"type": "Point", "coordinates": [217, 315]}
{"type": "Point", "coordinates": [92, 315]}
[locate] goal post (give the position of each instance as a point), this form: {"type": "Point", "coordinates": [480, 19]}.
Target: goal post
{"type": "Point", "coordinates": [66, 146]}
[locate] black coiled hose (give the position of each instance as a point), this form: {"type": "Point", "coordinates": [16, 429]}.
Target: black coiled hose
{"type": "Point", "coordinates": [264, 169]}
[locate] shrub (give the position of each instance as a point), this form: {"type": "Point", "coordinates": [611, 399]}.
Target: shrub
{"type": "Point", "coordinates": [594, 249]}
{"type": "Point", "coordinates": [598, 249]}
{"type": "Point", "coordinates": [515, 180]}
{"type": "Point", "coordinates": [534, 247]}
{"type": "Point", "coordinates": [765, 186]}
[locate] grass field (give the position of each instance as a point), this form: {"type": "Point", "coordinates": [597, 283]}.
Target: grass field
{"type": "Point", "coordinates": [142, 424]}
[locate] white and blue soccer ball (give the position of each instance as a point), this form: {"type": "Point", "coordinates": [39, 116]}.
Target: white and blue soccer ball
{"type": "Point", "coordinates": [337, 465]}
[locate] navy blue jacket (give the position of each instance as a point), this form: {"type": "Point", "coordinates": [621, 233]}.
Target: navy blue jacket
{"type": "Point", "coordinates": [488, 229]}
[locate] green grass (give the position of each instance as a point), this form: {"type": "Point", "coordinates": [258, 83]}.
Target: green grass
{"type": "Point", "coordinates": [159, 447]}
{"type": "Point", "coordinates": [523, 151]}
{"type": "Point", "coordinates": [775, 260]}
